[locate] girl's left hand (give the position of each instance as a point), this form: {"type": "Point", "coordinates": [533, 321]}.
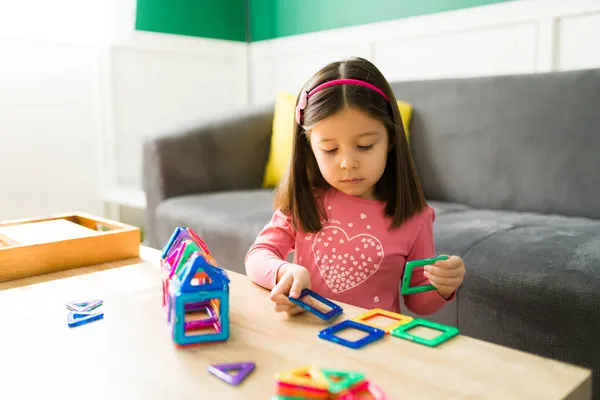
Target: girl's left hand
{"type": "Point", "coordinates": [446, 275]}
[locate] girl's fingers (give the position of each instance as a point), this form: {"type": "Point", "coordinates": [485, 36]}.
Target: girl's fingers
{"type": "Point", "coordinates": [442, 272]}
{"type": "Point", "coordinates": [295, 310]}
{"type": "Point", "coordinates": [446, 282]}
{"type": "Point", "coordinates": [296, 288]}
{"type": "Point", "coordinates": [283, 307]}
{"type": "Point", "coordinates": [443, 288]}
{"type": "Point", "coordinates": [292, 309]}
{"type": "Point", "coordinates": [279, 294]}
{"type": "Point", "coordinates": [281, 299]}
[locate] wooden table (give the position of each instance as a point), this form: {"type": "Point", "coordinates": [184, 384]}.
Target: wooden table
{"type": "Point", "coordinates": [129, 354]}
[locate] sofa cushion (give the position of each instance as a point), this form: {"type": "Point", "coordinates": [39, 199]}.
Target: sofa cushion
{"type": "Point", "coordinates": [227, 221]}
{"type": "Point", "coordinates": [444, 207]}
{"type": "Point", "coordinates": [535, 286]}
{"type": "Point", "coordinates": [457, 231]}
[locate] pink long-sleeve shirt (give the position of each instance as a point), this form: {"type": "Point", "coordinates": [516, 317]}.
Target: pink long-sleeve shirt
{"type": "Point", "coordinates": [355, 258]}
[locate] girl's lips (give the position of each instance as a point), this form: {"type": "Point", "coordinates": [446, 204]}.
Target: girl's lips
{"type": "Point", "coordinates": [352, 180]}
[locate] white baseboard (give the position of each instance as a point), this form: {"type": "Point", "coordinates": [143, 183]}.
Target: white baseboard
{"type": "Point", "coordinates": [128, 197]}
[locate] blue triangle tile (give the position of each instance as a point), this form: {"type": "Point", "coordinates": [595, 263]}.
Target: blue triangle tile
{"type": "Point", "coordinates": [79, 318]}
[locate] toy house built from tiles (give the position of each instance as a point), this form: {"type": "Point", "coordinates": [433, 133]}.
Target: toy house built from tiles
{"type": "Point", "coordinates": [195, 291]}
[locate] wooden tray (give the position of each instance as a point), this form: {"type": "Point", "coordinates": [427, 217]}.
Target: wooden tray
{"type": "Point", "coordinates": [38, 246]}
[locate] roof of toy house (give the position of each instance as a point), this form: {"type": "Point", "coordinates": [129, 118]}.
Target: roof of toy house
{"type": "Point", "coordinates": [196, 265]}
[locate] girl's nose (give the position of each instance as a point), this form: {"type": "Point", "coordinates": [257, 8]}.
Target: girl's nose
{"type": "Point", "coordinates": [348, 162]}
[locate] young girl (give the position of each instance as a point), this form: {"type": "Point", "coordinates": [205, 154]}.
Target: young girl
{"type": "Point", "coordinates": [351, 205]}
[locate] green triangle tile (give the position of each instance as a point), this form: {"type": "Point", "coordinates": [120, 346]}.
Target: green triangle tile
{"type": "Point", "coordinates": [348, 379]}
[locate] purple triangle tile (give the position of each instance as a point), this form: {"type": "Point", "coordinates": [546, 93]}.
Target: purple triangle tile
{"type": "Point", "coordinates": [220, 371]}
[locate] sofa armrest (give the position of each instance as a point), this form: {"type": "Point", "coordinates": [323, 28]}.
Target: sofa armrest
{"type": "Point", "coordinates": [226, 152]}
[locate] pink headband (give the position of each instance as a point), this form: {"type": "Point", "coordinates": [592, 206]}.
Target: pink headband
{"type": "Point", "coordinates": [303, 101]}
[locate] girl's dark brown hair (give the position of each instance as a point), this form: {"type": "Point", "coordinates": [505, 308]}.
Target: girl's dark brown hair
{"type": "Point", "coordinates": [399, 186]}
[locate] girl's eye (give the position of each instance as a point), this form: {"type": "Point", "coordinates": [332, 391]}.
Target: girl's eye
{"type": "Point", "coordinates": [330, 151]}
{"type": "Point", "coordinates": [369, 147]}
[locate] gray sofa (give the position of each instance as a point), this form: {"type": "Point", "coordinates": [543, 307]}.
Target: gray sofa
{"type": "Point", "coordinates": [511, 165]}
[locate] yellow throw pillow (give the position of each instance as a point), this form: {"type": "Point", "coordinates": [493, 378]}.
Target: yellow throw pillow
{"type": "Point", "coordinates": [283, 133]}
{"type": "Point", "coordinates": [406, 115]}
{"type": "Point", "coordinates": [281, 139]}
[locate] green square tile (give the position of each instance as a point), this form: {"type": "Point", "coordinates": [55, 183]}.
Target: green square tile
{"type": "Point", "coordinates": [448, 332]}
{"type": "Point", "coordinates": [408, 271]}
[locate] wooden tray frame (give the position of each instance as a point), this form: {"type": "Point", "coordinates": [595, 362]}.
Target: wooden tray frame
{"type": "Point", "coordinates": [114, 241]}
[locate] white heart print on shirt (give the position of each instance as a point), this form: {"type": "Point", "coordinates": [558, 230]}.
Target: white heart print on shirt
{"type": "Point", "coordinates": [346, 262]}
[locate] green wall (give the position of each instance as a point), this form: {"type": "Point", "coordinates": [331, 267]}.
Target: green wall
{"type": "Point", "coordinates": [216, 19]}
{"type": "Point", "coordinates": [255, 20]}
{"type": "Point", "coordinates": [271, 19]}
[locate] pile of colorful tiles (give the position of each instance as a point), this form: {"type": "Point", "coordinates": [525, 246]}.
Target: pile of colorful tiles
{"type": "Point", "coordinates": [323, 383]}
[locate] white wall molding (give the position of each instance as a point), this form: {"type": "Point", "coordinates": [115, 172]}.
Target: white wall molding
{"type": "Point", "coordinates": [578, 41]}
{"type": "Point", "coordinates": [166, 43]}
{"type": "Point", "coordinates": [525, 36]}
{"type": "Point", "coordinates": [545, 45]}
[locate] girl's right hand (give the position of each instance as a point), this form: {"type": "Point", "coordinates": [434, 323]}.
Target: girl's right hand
{"type": "Point", "coordinates": [293, 279]}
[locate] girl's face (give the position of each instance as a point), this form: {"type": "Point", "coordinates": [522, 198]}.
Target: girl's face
{"type": "Point", "coordinates": [351, 150]}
